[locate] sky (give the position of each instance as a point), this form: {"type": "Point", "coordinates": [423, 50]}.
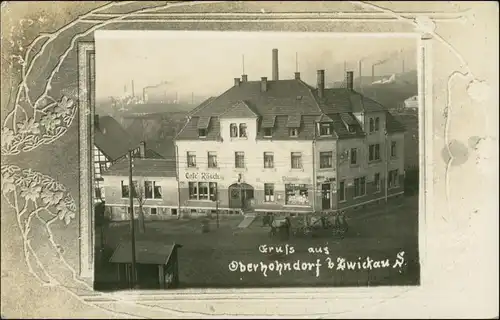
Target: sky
{"type": "Point", "coordinates": [206, 62]}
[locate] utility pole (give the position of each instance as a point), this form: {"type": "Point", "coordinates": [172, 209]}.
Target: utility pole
{"type": "Point", "coordinates": [360, 78]}
{"type": "Point", "coordinates": [217, 203]}
{"type": "Point", "coordinates": [386, 165]}
{"type": "Point", "coordinates": [132, 222]}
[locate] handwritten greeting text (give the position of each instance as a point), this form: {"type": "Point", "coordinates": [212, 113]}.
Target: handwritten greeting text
{"type": "Point", "coordinates": [337, 264]}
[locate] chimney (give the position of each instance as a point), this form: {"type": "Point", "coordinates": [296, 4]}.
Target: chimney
{"type": "Point", "coordinates": [142, 149]}
{"type": "Point", "coordinates": [349, 79]}
{"type": "Point", "coordinates": [373, 73]}
{"type": "Point", "coordinates": [236, 82]}
{"type": "Point", "coordinates": [275, 65]}
{"type": "Point", "coordinates": [263, 84]}
{"type": "Point", "coordinates": [96, 121]}
{"type": "Point", "coordinates": [297, 75]}
{"type": "Point", "coordinates": [321, 83]}
{"type": "Point", "coordinates": [244, 78]}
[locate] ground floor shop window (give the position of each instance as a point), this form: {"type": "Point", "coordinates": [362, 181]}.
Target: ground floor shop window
{"type": "Point", "coordinates": [359, 187]}
{"type": "Point", "coordinates": [202, 190]}
{"type": "Point", "coordinates": [268, 192]}
{"type": "Point", "coordinates": [393, 179]}
{"type": "Point", "coordinates": [296, 194]}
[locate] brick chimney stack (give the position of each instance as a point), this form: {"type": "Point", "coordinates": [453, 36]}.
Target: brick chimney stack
{"type": "Point", "coordinates": [350, 80]}
{"type": "Point", "coordinates": [275, 65]}
{"type": "Point", "coordinates": [142, 149]}
{"type": "Point", "coordinates": [244, 78]}
{"type": "Point", "coordinates": [263, 84]}
{"type": "Point", "coordinates": [236, 82]}
{"type": "Point", "coordinates": [321, 83]}
{"type": "Point", "coordinates": [297, 75]}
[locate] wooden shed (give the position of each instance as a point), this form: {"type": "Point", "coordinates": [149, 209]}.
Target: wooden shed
{"type": "Point", "coordinates": [157, 265]}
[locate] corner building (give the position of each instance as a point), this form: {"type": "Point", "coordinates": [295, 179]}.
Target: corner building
{"type": "Point", "coordinates": [286, 146]}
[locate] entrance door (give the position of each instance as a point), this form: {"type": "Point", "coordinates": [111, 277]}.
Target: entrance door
{"type": "Point", "coordinates": [325, 196]}
{"type": "Point", "coordinates": [240, 194]}
{"type": "Point", "coordinates": [246, 196]}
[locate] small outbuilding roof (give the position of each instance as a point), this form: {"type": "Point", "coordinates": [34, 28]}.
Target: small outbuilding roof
{"type": "Point", "coordinates": [146, 252]}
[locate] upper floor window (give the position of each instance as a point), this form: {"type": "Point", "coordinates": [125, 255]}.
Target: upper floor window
{"type": "Point", "coordinates": [243, 130]}
{"type": "Point", "coordinates": [268, 160]}
{"type": "Point", "coordinates": [374, 152]}
{"type": "Point", "coordinates": [268, 132]}
{"type": "Point", "coordinates": [393, 149]}
{"type": "Point", "coordinates": [212, 160]}
{"type": "Point", "coordinates": [152, 190]}
{"type": "Point", "coordinates": [325, 129]}
{"type": "Point", "coordinates": [354, 156]}
{"type": "Point", "coordinates": [294, 132]}
{"type": "Point", "coordinates": [325, 160]}
{"type": "Point", "coordinates": [296, 160]}
{"type": "Point", "coordinates": [191, 159]}
{"type": "Point", "coordinates": [239, 160]}
{"type": "Point", "coordinates": [233, 130]}
{"type": "Point", "coordinates": [371, 125]}
{"type": "Point", "coordinates": [126, 189]}
{"type": "Point", "coordinates": [202, 133]}
{"type": "Point", "coordinates": [377, 124]}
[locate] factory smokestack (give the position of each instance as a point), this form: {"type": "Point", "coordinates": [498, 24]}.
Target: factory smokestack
{"type": "Point", "coordinates": [275, 65]}
{"type": "Point", "coordinates": [321, 83]}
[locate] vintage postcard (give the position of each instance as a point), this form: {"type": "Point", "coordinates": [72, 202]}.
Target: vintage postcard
{"type": "Point", "coordinates": [249, 159]}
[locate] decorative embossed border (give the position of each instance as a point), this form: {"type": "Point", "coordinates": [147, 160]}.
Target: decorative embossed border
{"type": "Point", "coordinates": [62, 112]}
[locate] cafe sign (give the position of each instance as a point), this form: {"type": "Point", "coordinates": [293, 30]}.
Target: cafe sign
{"type": "Point", "coordinates": [295, 180]}
{"type": "Point", "coordinates": [199, 176]}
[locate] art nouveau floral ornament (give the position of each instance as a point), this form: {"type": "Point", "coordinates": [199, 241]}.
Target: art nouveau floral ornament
{"type": "Point", "coordinates": [46, 125]}
{"type": "Point", "coordinates": [34, 195]}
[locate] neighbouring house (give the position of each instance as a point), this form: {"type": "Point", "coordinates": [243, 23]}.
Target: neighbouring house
{"type": "Point", "coordinates": [154, 189]}
{"type": "Point", "coordinates": [112, 144]}
{"type": "Point", "coordinates": [411, 103]}
{"type": "Point", "coordinates": [275, 145]}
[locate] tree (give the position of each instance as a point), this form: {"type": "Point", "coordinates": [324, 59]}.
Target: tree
{"type": "Point", "coordinates": [141, 199]}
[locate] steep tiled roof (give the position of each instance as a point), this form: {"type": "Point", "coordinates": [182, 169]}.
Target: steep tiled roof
{"type": "Point", "coordinates": [112, 139]}
{"type": "Point", "coordinates": [201, 106]}
{"type": "Point", "coordinates": [340, 128]}
{"type": "Point", "coordinates": [393, 125]}
{"type": "Point", "coordinates": [285, 104]}
{"type": "Point", "coordinates": [143, 168]}
{"type": "Point", "coordinates": [268, 121]}
{"type": "Point", "coordinates": [240, 109]}
{"type": "Point", "coordinates": [279, 99]}
{"type": "Point", "coordinates": [294, 121]}
{"type": "Point", "coordinates": [203, 122]}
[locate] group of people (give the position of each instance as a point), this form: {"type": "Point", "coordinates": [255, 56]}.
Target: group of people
{"type": "Point", "coordinates": [340, 221]}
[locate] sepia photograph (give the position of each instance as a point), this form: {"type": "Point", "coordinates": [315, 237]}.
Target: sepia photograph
{"type": "Point", "coordinates": [249, 159]}
{"type": "Point", "coordinates": [255, 160]}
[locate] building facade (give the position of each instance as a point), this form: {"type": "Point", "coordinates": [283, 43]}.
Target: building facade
{"type": "Point", "coordinates": [154, 189]}
{"type": "Point", "coordinates": [111, 145]}
{"type": "Point", "coordinates": [286, 146]}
